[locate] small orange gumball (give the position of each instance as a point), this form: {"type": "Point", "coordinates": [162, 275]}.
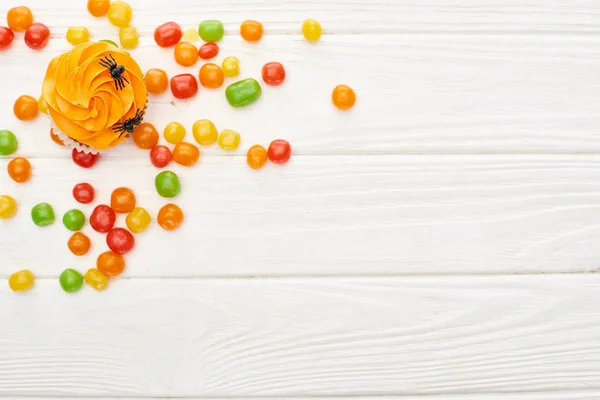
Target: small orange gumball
{"type": "Point", "coordinates": [343, 97]}
{"type": "Point", "coordinates": [55, 138]}
{"type": "Point", "coordinates": [170, 217]}
{"type": "Point", "coordinates": [19, 169]}
{"type": "Point", "coordinates": [157, 81]}
{"type": "Point", "coordinates": [256, 157]}
{"type": "Point", "coordinates": [185, 154]}
{"type": "Point", "coordinates": [251, 31]}
{"type": "Point", "coordinates": [186, 54]}
{"type": "Point", "coordinates": [79, 244]}
{"type": "Point", "coordinates": [98, 8]}
{"type": "Point", "coordinates": [122, 200]}
{"type": "Point", "coordinates": [211, 76]}
{"type": "Point", "coordinates": [19, 18]}
{"type": "Point", "coordinates": [110, 263]}
{"type": "Point", "coordinates": [26, 108]}
{"type": "Point", "coordinates": [145, 136]}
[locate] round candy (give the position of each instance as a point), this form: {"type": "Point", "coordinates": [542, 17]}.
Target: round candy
{"type": "Point", "coordinates": [208, 51]}
{"type": "Point", "coordinates": [311, 30]}
{"type": "Point", "coordinates": [205, 132]}
{"type": "Point", "coordinates": [8, 207]}
{"type": "Point", "coordinates": [21, 281]}
{"type": "Point", "coordinates": [273, 73]}
{"type": "Point", "coordinates": [79, 244]}
{"type": "Point", "coordinates": [185, 154]}
{"type": "Point", "coordinates": [42, 105]}
{"type": "Point", "coordinates": [231, 66]}
{"type": "Point", "coordinates": [229, 140]}
{"type": "Point", "coordinates": [145, 136]}
{"type": "Point", "coordinates": [110, 263]}
{"type": "Point", "coordinates": [42, 214]}
{"type": "Point", "coordinates": [168, 34]}
{"type": "Point", "coordinates": [138, 220]}
{"type": "Point", "coordinates": [186, 54]}
{"type": "Point", "coordinates": [19, 18]}
{"type": "Point", "coordinates": [84, 193]}
{"type": "Point", "coordinates": [160, 156]}
{"type": "Point", "coordinates": [6, 37]}
{"type": "Point", "coordinates": [98, 8]}
{"type": "Point", "coordinates": [191, 35]}
{"type": "Point", "coordinates": [120, 240]}
{"type": "Point", "coordinates": [37, 36]}
{"type": "Point", "coordinates": [167, 184]}
{"type": "Point", "coordinates": [83, 159]}
{"type": "Point", "coordinates": [251, 31]}
{"type": "Point", "coordinates": [122, 200]}
{"type": "Point", "coordinates": [343, 97]}
{"type": "Point", "coordinates": [26, 108]}
{"type": "Point", "coordinates": [102, 218]}
{"type": "Point", "coordinates": [243, 93]}
{"type": "Point", "coordinates": [211, 76]}
{"type": "Point", "coordinates": [74, 220]}
{"type": "Point", "coordinates": [77, 35]}
{"type": "Point", "coordinates": [71, 280]}
{"type": "Point", "coordinates": [129, 37]}
{"type": "Point", "coordinates": [256, 156]}
{"type": "Point", "coordinates": [157, 81]}
{"type": "Point", "coordinates": [119, 14]}
{"type": "Point", "coordinates": [8, 143]}
{"type": "Point", "coordinates": [279, 151]}
{"type": "Point", "coordinates": [19, 169]}
{"type": "Point", "coordinates": [211, 30]}
{"type": "Point", "coordinates": [96, 279]}
{"type": "Point", "coordinates": [174, 132]}
{"type": "Point", "coordinates": [184, 86]}
{"type": "Point", "coordinates": [170, 217]}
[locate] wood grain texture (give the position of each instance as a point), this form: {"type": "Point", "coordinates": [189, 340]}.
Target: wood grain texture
{"type": "Point", "coordinates": [304, 337]}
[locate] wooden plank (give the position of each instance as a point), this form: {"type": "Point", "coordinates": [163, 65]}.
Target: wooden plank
{"type": "Point", "coordinates": [331, 216]}
{"type": "Point", "coordinates": [304, 337]}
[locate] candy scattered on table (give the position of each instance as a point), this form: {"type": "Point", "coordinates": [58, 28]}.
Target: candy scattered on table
{"type": "Point", "coordinates": [37, 36]}
{"type": "Point", "coordinates": [167, 184]}
{"type": "Point", "coordinates": [243, 93]}
{"type": "Point", "coordinates": [205, 132]}
{"type": "Point", "coordinates": [138, 220]}
{"type": "Point", "coordinates": [160, 156]}
{"type": "Point", "coordinates": [96, 279]}
{"type": "Point", "coordinates": [74, 220]}
{"type": "Point", "coordinates": [343, 97]}
{"type": "Point", "coordinates": [211, 76]}
{"type": "Point", "coordinates": [157, 81]}
{"type": "Point", "coordinates": [8, 207]}
{"type": "Point", "coordinates": [229, 140]}
{"type": "Point", "coordinates": [186, 154]}
{"type": "Point", "coordinates": [98, 8]}
{"type": "Point", "coordinates": [21, 281]}
{"type": "Point", "coordinates": [6, 37]}
{"type": "Point", "coordinates": [168, 34]}
{"type": "Point", "coordinates": [208, 51]}
{"type": "Point", "coordinates": [110, 263]}
{"type": "Point", "coordinates": [84, 193]}
{"type": "Point", "coordinates": [129, 37]}
{"type": "Point", "coordinates": [120, 13]}
{"type": "Point", "coordinates": [71, 280]}
{"type": "Point", "coordinates": [120, 240]}
{"type": "Point", "coordinates": [8, 143]}
{"type": "Point", "coordinates": [279, 151]}
{"type": "Point", "coordinates": [174, 132]}
{"type": "Point", "coordinates": [102, 218]}
{"type": "Point", "coordinates": [83, 159]}
{"type": "Point", "coordinates": [186, 54]}
{"type": "Point", "coordinates": [184, 86]}
{"type": "Point", "coordinates": [191, 35]}
{"type": "Point", "coordinates": [19, 18]}
{"type": "Point", "coordinates": [230, 66]}
{"type": "Point", "coordinates": [42, 214]}
{"type": "Point", "coordinates": [256, 156]}
{"type": "Point", "coordinates": [170, 217]}
{"type": "Point", "coordinates": [311, 30]}
{"type": "Point", "coordinates": [273, 73]}
{"type": "Point", "coordinates": [211, 30]}
{"type": "Point", "coordinates": [77, 35]}
{"type": "Point", "coordinates": [42, 105]}
{"type": "Point", "coordinates": [251, 31]}
{"type": "Point", "coordinates": [19, 169]}
{"type": "Point", "coordinates": [122, 200]}
{"type": "Point", "coordinates": [79, 244]}
{"type": "Point", "coordinates": [26, 108]}
{"type": "Point", "coordinates": [145, 136]}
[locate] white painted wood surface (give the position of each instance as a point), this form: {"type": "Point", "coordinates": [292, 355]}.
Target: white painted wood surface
{"type": "Point", "coordinates": [473, 150]}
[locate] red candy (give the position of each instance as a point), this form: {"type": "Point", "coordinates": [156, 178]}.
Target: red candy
{"type": "Point", "coordinates": [208, 51]}
{"type": "Point", "coordinates": [273, 73]}
{"type": "Point", "coordinates": [103, 218]}
{"type": "Point", "coordinates": [160, 156]}
{"type": "Point", "coordinates": [168, 34]}
{"type": "Point", "coordinates": [120, 240]}
{"type": "Point", "coordinates": [6, 37]}
{"type": "Point", "coordinates": [36, 36]}
{"type": "Point", "coordinates": [279, 151]}
{"type": "Point", "coordinates": [84, 160]}
{"type": "Point", "coordinates": [84, 193]}
{"type": "Point", "coordinates": [184, 86]}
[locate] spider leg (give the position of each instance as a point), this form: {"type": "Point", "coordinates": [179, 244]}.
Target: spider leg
{"type": "Point", "coordinates": [105, 64]}
{"type": "Point", "coordinates": [113, 59]}
{"type": "Point", "coordinates": [125, 79]}
{"type": "Point", "coordinates": [121, 84]}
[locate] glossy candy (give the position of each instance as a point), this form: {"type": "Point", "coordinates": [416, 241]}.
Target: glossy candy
{"type": "Point", "coordinates": [186, 54]}
{"type": "Point", "coordinates": [243, 93]}
{"type": "Point", "coordinates": [251, 31]}
{"type": "Point", "coordinates": [19, 169]}
{"type": "Point", "coordinates": [119, 13]}
{"type": "Point", "coordinates": [26, 108]}
{"type": "Point", "coordinates": [191, 35]}
{"type": "Point", "coordinates": [122, 200]}
{"type": "Point", "coordinates": [168, 34]}
{"type": "Point", "coordinates": [37, 36]}
{"type": "Point", "coordinates": [98, 8]}
{"type": "Point", "coordinates": [19, 18]}
{"type": "Point", "coordinates": [74, 220]}
{"type": "Point", "coordinates": [84, 193]}
{"type": "Point", "coordinates": [174, 132]}
{"type": "Point", "coordinates": [211, 30]}
{"type": "Point", "coordinates": [279, 151]}
{"type": "Point", "coordinates": [160, 156]}
{"type": "Point", "coordinates": [229, 140]}
{"type": "Point", "coordinates": [208, 51]}
{"type": "Point", "coordinates": [110, 263]}
{"type": "Point", "coordinates": [138, 220]}
{"type": "Point", "coordinates": [211, 76]}
{"type": "Point", "coordinates": [256, 156]}
{"type": "Point", "coordinates": [42, 105]}
{"type": "Point", "coordinates": [77, 35]}
{"type": "Point", "coordinates": [170, 217]}
{"type": "Point", "coordinates": [84, 160]}
{"type": "Point", "coordinates": [96, 279]}
{"type": "Point", "coordinates": [42, 214]}
{"type": "Point", "coordinates": [102, 218]}
{"type": "Point", "coordinates": [157, 81]}
{"type": "Point", "coordinates": [186, 154]}
{"type": "Point", "coordinates": [120, 240]}
{"type": "Point", "coordinates": [145, 136]}
{"type": "Point", "coordinates": [311, 30]}
{"type": "Point", "coordinates": [205, 132]}
{"type": "Point", "coordinates": [79, 244]}
{"type": "Point", "coordinates": [21, 281]}
{"type": "Point", "coordinates": [273, 73]}
{"type": "Point", "coordinates": [8, 143]}
{"type": "Point", "coordinates": [184, 86]}
{"type": "Point", "coordinates": [6, 37]}
{"type": "Point", "coordinates": [8, 207]}
{"type": "Point", "coordinates": [129, 37]}
{"type": "Point", "coordinates": [343, 97]}
{"type": "Point", "coordinates": [71, 280]}
{"type": "Point", "coordinates": [231, 66]}
{"type": "Point", "coordinates": [167, 184]}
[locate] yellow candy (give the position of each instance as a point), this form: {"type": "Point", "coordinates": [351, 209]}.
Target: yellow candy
{"type": "Point", "coordinates": [96, 279]}
{"type": "Point", "coordinates": [138, 220]}
{"type": "Point", "coordinates": [205, 132]}
{"type": "Point", "coordinates": [77, 35]}
{"type": "Point", "coordinates": [8, 207]}
{"type": "Point", "coordinates": [119, 14]}
{"type": "Point", "coordinates": [231, 66]}
{"type": "Point", "coordinates": [129, 37]}
{"type": "Point", "coordinates": [42, 105]}
{"type": "Point", "coordinates": [21, 281]}
{"type": "Point", "coordinates": [191, 35]}
{"type": "Point", "coordinates": [229, 140]}
{"type": "Point", "coordinates": [311, 30]}
{"type": "Point", "coordinates": [174, 132]}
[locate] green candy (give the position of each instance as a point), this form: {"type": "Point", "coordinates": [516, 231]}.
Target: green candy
{"type": "Point", "coordinates": [211, 30]}
{"type": "Point", "coordinates": [109, 41]}
{"type": "Point", "coordinates": [42, 214]}
{"type": "Point", "coordinates": [74, 220]}
{"type": "Point", "coordinates": [243, 93]}
{"type": "Point", "coordinates": [8, 143]}
{"type": "Point", "coordinates": [71, 280]}
{"type": "Point", "coordinates": [167, 184]}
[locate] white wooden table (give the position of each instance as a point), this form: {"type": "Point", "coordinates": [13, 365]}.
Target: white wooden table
{"type": "Point", "coordinates": [437, 242]}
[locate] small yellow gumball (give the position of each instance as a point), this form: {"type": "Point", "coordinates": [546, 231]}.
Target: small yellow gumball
{"type": "Point", "coordinates": [229, 140]}
{"type": "Point", "coordinates": [191, 35]}
{"type": "Point", "coordinates": [129, 37]}
{"type": "Point", "coordinates": [8, 207]}
{"type": "Point", "coordinates": [42, 105]}
{"type": "Point", "coordinates": [96, 279]}
{"type": "Point", "coordinates": [205, 132]}
{"type": "Point", "coordinates": [138, 220]}
{"type": "Point", "coordinates": [77, 35]}
{"type": "Point", "coordinates": [174, 132]}
{"type": "Point", "coordinates": [21, 281]}
{"type": "Point", "coordinates": [231, 66]}
{"type": "Point", "coordinates": [119, 14]}
{"type": "Point", "coordinates": [311, 30]}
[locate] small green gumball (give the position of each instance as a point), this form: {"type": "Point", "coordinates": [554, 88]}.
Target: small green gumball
{"type": "Point", "coordinates": [71, 280]}
{"type": "Point", "coordinates": [8, 143]}
{"type": "Point", "coordinates": [74, 220]}
{"type": "Point", "coordinates": [211, 30]}
{"type": "Point", "coordinates": [42, 214]}
{"type": "Point", "coordinates": [167, 184]}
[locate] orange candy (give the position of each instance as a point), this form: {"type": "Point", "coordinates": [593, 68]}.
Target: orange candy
{"type": "Point", "coordinates": [19, 19]}
{"type": "Point", "coordinates": [256, 157]}
{"type": "Point", "coordinates": [98, 8]}
{"type": "Point", "coordinates": [55, 138]}
{"type": "Point", "coordinates": [343, 97]}
{"type": "Point", "coordinates": [145, 136]}
{"type": "Point", "coordinates": [251, 31]}
{"type": "Point", "coordinates": [186, 54]}
{"type": "Point", "coordinates": [122, 200]}
{"type": "Point", "coordinates": [170, 217]}
{"type": "Point", "coordinates": [110, 263]}
{"type": "Point", "coordinates": [26, 108]}
{"type": "Point", "coordinates": [19, 169]}
{"type": "Point", "coordinates": [185, 154]}
{"type": "Point", "coordinates": [157, 81]}
{"type": "Point", "coordinates": [79, 244]}
{"type": "Point", "coordinates": [211, 76]}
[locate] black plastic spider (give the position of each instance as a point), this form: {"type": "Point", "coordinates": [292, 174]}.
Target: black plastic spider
{"type": "Point", "coordinates": [116, 71]}
{"type": "Point", "coordinates": [129, 125]}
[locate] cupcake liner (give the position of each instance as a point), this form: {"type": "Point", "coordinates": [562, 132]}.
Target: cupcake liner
{"type": "Point", "coordinates": [71, 143]}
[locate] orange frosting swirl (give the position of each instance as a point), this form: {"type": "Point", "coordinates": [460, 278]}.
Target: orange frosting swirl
{"type": "Point", "coordinates": [83, 100]}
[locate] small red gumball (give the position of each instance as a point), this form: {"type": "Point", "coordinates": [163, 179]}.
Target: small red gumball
{"type": "Point", "coordinates": [36, 36]}
{"type": "Point", "coordinates": [160, 156]}
{"type": "Point", "coordinates": [120, 240]}
{"type": "Point", "coordinates": [84, 193]}
{"type": "Point", "coordinates": [208, 51]}
{"type": "Point", "coordinates": [84, 160]}
{"type": "Point", "coordinates": [273, 73]}
{"type": "Point", "coordinates": [184, 86]}
{"type": "Point", "coordinates": [279, 151]}
{"type": "Point", "coordinates": [168, 34]}
{"type": "Point", "coordinates": [6, 37]}
{"type": "Point", "coordinates": [102, 218]}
